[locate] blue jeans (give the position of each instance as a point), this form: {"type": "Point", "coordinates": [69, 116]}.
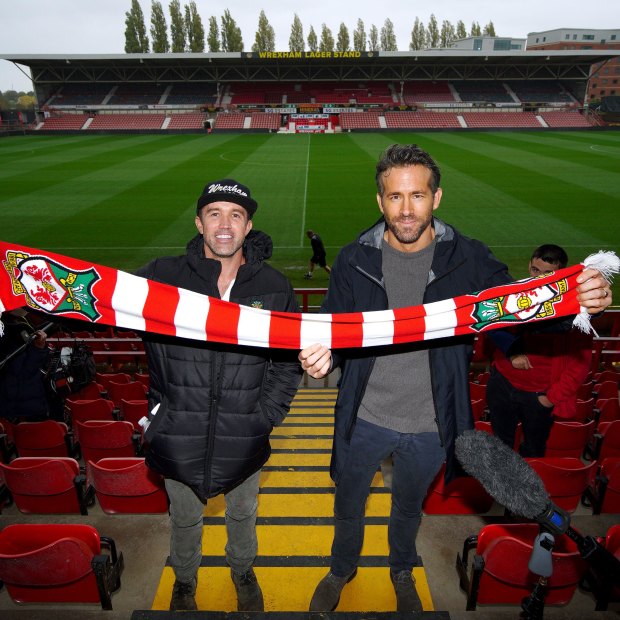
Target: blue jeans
{"type": "Point", "coordinates": [186, 511]}
{"type": "Point", "coordinates": [417, 458]}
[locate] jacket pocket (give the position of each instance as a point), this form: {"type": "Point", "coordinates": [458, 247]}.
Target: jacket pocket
{"type": "Point", "coordinates": [265, 415]}
{"type": "Point", "coordinates": [155, 419]}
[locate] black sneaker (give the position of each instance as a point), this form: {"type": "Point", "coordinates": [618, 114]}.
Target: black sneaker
{"type": "Point", "coordinates": [308, 276]}
{"type": "Point", "coordinates": [183, 596]}
{"type": "Point", "coordinates": [407, 598]}
{"type": "Point", "coordinates": [327, 594]}
{"type": "Point", "coordinates": [249, 594]}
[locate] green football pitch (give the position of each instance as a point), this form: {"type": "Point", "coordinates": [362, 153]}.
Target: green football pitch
{"type": "Point", "coordinates": [122, 200]}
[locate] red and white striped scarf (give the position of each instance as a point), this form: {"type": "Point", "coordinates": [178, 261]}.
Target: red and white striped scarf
{"type": "Point", "coordinates": [71, 288]}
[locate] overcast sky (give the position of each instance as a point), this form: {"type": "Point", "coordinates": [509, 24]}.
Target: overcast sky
{"type": "Point", "coordinates": [84, 27]}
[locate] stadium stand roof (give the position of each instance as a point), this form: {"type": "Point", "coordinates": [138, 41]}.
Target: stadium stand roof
{"type": "Point", "coordinates": [304, 66]}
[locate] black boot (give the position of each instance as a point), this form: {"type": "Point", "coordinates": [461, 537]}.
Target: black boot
{"type": "Point", "coordinates": [249, 594]}
{"type": "Point", "coordinates": [183, 596]}
{"type": "Point", "coordinates": [407, 598]}
{"type": "Point", "coordinates": [327, 594]}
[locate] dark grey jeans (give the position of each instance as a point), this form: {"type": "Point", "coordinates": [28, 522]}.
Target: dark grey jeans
{"type": "Point", "coordinates": [417, 458]}
{"type": "Point", "coordinates": [186, 512]}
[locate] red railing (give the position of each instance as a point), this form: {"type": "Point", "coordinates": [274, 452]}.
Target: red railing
{"type": "Point", "coordinates": [306, 293]}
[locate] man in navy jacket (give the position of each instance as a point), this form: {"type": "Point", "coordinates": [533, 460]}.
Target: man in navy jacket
{"type": "Point", "coordinates": [407, 401]}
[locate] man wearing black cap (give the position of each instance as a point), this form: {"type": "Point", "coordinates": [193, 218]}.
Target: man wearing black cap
{"type": "Point", "coordinates": [213, 405]}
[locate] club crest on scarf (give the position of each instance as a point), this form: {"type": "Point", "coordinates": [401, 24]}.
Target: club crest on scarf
{"type": "Point", "coordinates": [52, 287]}
{"type": "Point", "coordinates": [518, 307]}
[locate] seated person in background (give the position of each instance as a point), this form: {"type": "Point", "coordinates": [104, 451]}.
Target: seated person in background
{"type": "Point", "coordinates": [536, 370]}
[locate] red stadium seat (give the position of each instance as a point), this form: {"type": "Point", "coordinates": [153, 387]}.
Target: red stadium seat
{"type": "Point", "coordinates": [583, 412]}
{"type": "Point", "coordinates": [584, 391]}
{"type": "Point", "coordinates": [104, 378]}
{"type": "Point", "coordinates": [606, 389]}
{"type": "Point", "coordinates": [483, 377]}
{"type": "Point", "coordinates": [47, 438]}
{"type": "Point", "coordinates": [463, 495]}
{"type": "Point", "coordinates": [499, 574]}
{"type": "Point", "coordinates": [43, 485]}
{"type": "Point", "coordinates": [606, 441]}
{"type": "Point", "coordinates": [128, 391]}
{"type": "Point", "coordinates": [606, 590]}
{"type": "Point", "coordinates": [478, 391]}
{"type": "Point", "coordinates": [483, 425]}
{"type": "Point", "coordinates": [568, 438]}
{"type": "Point", "coordinates": [142, 378]}
{"type": "Point", "coordinates": [565, 478]}
{"type": "Point", "coordinates": [478, 409]}
{"type": "Point", "coordinates": [90, 392]}
{"type": "Point", "coordinates": [83, 410]}
{"type": "Point", "coordinates": [123, 353]}
{"type": "Point", "coordinates": [133, 411]}
{"type": "Point", "coordinates": [59, 564]}
{"type": "Point", "coordinates": [603, 493]}
{"type": "Point", "coordinates": [104, 439]}
{"type": "Point", "coordinates": [607, 375]}
{"type": "Point", "coordinates": [127, 485]}
{"type": "Point", "coordinates": [607, 410]}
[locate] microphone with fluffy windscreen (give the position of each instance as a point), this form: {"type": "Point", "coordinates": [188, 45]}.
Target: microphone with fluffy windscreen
{"type": "Point", "coordinates": [508, 479]}
{"type": "Point", "coordinates": [511, 482]}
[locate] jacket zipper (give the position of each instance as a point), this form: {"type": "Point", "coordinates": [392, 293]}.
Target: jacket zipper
{"type": "Point", "coordinates": [213, 405]}
{"type": "Point", "coordinates": [430, 364]}
{"type": "Point", "coordinates": [360, 393]}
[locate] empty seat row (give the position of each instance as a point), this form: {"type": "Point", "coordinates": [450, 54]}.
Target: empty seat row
{"type": "Point", "coordinates": [64, 122]}
{"type": "Point", "coordinates": [43, 485]}
{"type": "Point", "coordinates": [191, 120]}
{"type": "Point", "coordinates": [126, 121]}
{"type": "Point", "coordinates": [359, 120]}
{"type": "Point", "coordinates": [229, 121]}
{"type": "Point", "coordinates": [422, 120]}
{"type": "Point", "coordinates": [263, 120]}
{"type": "Point", "coordinates": [501, 119]}
{"type": "Point", "coordinates": [92, 439]}
{"type": "Point", "coordinates": [565, 119]}
{"type": "Point", "coordinates": [125, 484]}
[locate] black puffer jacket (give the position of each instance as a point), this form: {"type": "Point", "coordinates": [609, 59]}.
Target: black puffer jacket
{"type": "Point", "coordinates": [218, 403]}
{"type": "Point", "coordinates": [460, 266]}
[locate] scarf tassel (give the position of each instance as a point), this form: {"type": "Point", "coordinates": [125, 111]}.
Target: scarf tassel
{"type": "Point", "coordinates": [608, 263]}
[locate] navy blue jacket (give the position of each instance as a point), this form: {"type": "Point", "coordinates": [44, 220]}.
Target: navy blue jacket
{"type": "Point", "coordinates": [218, 403]}
{"type": "Point", "coordinates": [460, 266]}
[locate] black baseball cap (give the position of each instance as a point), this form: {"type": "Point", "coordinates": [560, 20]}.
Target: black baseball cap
{"type": "Point", "coordinates": [227, 190]}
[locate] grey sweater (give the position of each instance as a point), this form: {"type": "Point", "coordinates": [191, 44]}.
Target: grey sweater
{"type": "Point", "coordinates": [398, 395]}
